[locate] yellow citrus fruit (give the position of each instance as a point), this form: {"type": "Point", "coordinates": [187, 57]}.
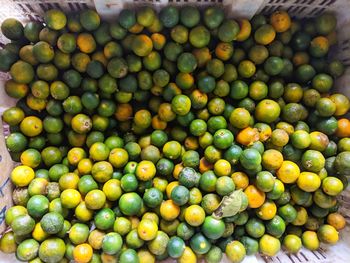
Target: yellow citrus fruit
{"type": "Point", "coordinates": [288, 172]}
{"type": "Point", "coordinates": [22, 175]}
{"type": "Point", "coordinates": [145, 170]}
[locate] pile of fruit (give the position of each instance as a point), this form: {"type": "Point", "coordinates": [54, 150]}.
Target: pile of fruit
{"type": "Point", "coordinates": [183, 134]}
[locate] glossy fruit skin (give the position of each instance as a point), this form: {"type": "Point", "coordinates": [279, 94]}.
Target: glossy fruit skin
{"type": "Point", "coordinates": [27, 250]}
{"type": "Point", "coordinates": [267, 211]}
{"type": "Point", "coordinates": [332, 186]}
{"type": "Point", "coordinates": [180, 195]}
{"type": "Point", "coordinates": [228, 30]}
{"type": "Point", "coordinates": [265, 181]}
{"type": "Point", "coordinates": [223, 138]}
{"type": "Point", "coordinates": [269, 245]}
{"type": "Point", "coordinates": [147, 229]}
{"type": "Point", "coordinates": [287, 212]}
{"type": "Point", "coordinates": [235, 251]}
{"type": "Point", "coordinates": [52, 249]}
{"type": "Point", "coordinates": [308, 182]}
{"type": "Point", "coordinates": [239, 118]}
{"type": "Point", "coordinates": [12, 29]}
{"type": "Point", "coordinates": [292, 243]}
{"type": "Point", "coordinates": [336, 220]}
{"type": "Point", "coordinates": [273, 65]}
{"type": "Point", "coordinates": [267, 111]}
{"type": "Point", "coordinates": [181, 104]}
{"type": "Point", "coordinates": [153, 197]}
{"type": "Point", "coordinates": [52, 223]}
{"type": "Point", "coordinates": [22, 175]}
{"type": "Point", "coordinates": [200, 244]}
{"type": "Point", "coordinates": [37, 206]}
{"type": "Point", "coordinates": [255, 196]}
{"type": "Point", "coordinates": [112, 243]}
{"type": "Point", "coordinates": [250, 158]}
{"type": "Point", "coordinates": [328, 234]}
{"type": "Point", "coordinates": [7, 243]}
{"type": "Point", "coordinates": [194, 215]}
{"type": "Point", "coordinates": [158, 245]}
{"type": "Point", "coordinates": [213, 228]}
{"type": "Point", "coordinates": [55, 19]}
{"type": "Point", "coordinates": [83, 253]}
{"type": "Point", "coordinates": [313, 161]}
{"type": "Point", "coordinates": [130, 203]}
{"type": "Point", "coordinates": [104, 219]}
{"type": "Point", "coordinates": [176, 247]}
{"type": "Point", "coordinates": [276, 226]}
{"type": "Point", "coordinates": [341, 162]}
{"type": "Point", "coordinates": [255, 227]}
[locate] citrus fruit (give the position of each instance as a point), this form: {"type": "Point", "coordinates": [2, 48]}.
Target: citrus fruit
{"type": "Point", "coordinates": [269, 245]}
{"type": "Point", "coordinates": [22, 175]}
{"type": "Point", "coordinates": [292, 243]}
{"type": "Point", "coordinates": [52, 249]}
{"type": "Point", "coordinates": [310, 240]}
{"type": "Point", "coordinates": [213, 228]}
{"type": "Point", "coordinates": [288, 172]}
{"type": "Point", "coordinates": [336, 220]}
{"type": "Point", "coordinates": [194, 215]}
{"type": "Point", "coordinates": [130, 203]}
{"type": "Point", "coordinates": [235, 251]}
{"type": "Point", "coordinates": [200, 244]}
{"type": "Point", "coordinates": [199, 36]}
{"type": "Point", "coordinates": [265, 34]}
{"type": "Point", "coordinates": [12, 29]}
{"type": "Point", "coordinates": [255, 196]}
{"type": "Point", "coordinates": [280, 21]}
{"type": "Point", "coordinates": [328, 234]}
{"type": "Point", "coordinates": [112, 243]}
{"type": "Point", "coordinates": [55, 19]}
{"type": "Point", "coordinates": [52, 223]}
